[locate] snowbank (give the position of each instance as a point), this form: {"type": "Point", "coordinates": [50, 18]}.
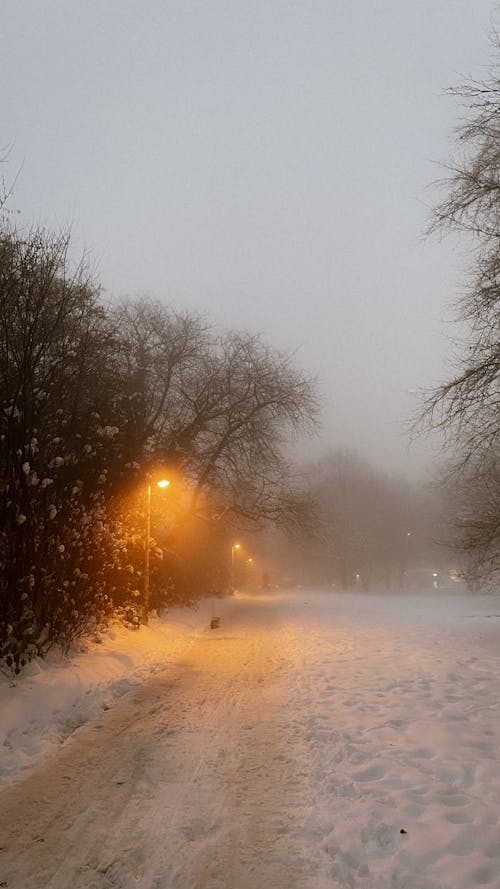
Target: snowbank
{"type": "Point", "coordinates": [54, 697]}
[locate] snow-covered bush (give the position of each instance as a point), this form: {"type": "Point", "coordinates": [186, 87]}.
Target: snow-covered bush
{"type": "Point", "coordinates": [55, 379]}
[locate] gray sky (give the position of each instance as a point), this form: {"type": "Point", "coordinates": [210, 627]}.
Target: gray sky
{"type": "Point", "coordinates": [265, 162]}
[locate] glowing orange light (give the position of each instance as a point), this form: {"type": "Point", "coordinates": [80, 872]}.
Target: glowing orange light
{"type": "Point", "coordinates": [164, 483]}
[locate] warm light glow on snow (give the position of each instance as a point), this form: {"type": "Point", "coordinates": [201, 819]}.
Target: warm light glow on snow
{"type": "Point", "coordinates": [353, 734]}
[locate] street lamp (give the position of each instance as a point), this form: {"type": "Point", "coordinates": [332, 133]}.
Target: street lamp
{"type": "Point", "coordinates": [233, 547]}
{"type": "Point", "coordinates": [163, 483]}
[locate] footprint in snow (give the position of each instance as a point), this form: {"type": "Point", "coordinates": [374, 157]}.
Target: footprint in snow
{"type": "Point", "coordinates": [372, 773]}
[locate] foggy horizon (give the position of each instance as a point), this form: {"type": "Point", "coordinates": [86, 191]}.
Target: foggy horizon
{"type": "Point", "coordinates": [267, 165]}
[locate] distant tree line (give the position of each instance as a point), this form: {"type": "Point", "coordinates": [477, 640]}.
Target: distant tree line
{"type": "Point", "coordinates": [96, 401]}
{"type": "Point", "coordinates": [372, 530]}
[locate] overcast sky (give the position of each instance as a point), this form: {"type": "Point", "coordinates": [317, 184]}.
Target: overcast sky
{"type": "Point", "coordinates": [265, 162]}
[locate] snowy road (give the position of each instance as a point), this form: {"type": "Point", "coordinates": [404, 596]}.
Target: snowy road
{"type": "Point", "coordinates": [288, 749]}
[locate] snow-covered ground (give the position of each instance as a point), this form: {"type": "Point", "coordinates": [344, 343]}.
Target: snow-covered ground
{"type": "Point", "coordinates": [54, 697]}
{"type": "Point", "coordinates": [315, 740]}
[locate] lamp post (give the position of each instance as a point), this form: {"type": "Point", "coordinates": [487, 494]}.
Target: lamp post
{"type": "Point", "coordinates": [234, 547]}
{"type": "Point", "coordinates": [163, 483]}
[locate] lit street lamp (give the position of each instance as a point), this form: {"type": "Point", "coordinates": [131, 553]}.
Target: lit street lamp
{"type": "Point", "coordinates": [163, 483]}
{"type": "Point", "coordinates": [233, 547]}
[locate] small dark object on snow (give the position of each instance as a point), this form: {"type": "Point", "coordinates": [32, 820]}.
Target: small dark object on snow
{"type": "Point", "coordinates": [403, 830]}
{"type": "Point", "coordinates": [214, 623]}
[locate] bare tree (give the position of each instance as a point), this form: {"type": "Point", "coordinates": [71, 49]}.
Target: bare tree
{"type": "Point", "coordinates": [467, 406]}
{"type": "Point", "coordinates": [215, 412]}
{"type": "Point", "coordinates": [216, 407]}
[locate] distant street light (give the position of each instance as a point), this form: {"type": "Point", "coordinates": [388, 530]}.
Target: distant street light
{"type": "Point", "coordinates": [214, 620]}
{"type": "Point", "coordinates": [163, 483]}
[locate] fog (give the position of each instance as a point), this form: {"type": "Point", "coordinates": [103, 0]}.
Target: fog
{"type": "Point", "coordinates": [267, 164]}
